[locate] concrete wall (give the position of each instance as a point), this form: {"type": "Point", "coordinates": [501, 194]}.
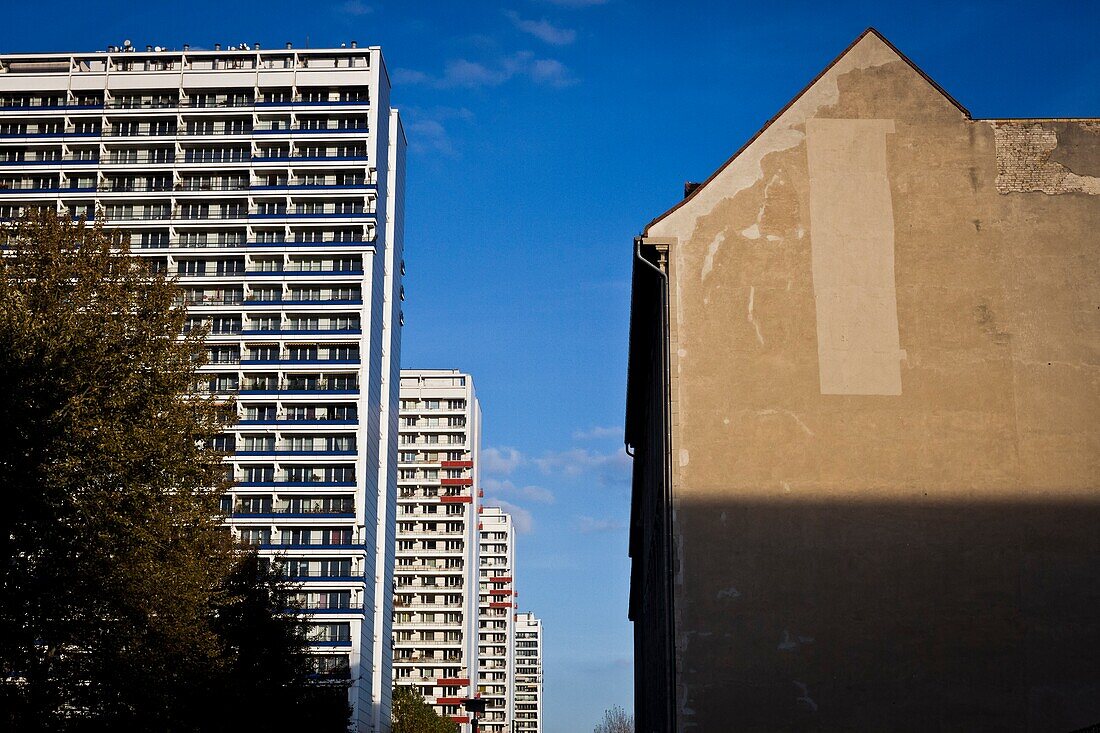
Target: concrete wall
{"type": "Point", "coordinates": [885, 405]}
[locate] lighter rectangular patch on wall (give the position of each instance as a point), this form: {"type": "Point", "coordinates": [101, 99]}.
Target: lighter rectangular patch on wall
{"type": "Point", "coordinates": [852, 253]}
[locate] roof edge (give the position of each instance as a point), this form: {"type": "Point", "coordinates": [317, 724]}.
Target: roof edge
{"type": "Point", "coordinates": [870, 30]}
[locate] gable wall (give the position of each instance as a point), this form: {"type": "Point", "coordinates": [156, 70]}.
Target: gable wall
{"type": "Point", "coordinates": [885, 368]}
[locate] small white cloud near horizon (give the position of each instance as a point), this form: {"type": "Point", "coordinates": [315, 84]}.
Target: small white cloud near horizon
{"type": "Point", "coordinates": [591, 525]}
{"type": "Point", "coordinates": [521, 518]}
{"type": "Point", "coordinates": [530, 492]}
{"type": "Point", "coordinates": [542, 29]}
{"type": "Point", "coordinates": [501, 461]}
{"type": "Point", "coordinates": [609, 468]}
{"type": "Point", "coordinates": [597, 432]}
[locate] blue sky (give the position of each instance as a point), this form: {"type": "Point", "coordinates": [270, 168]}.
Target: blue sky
{"type": "Point", "coordinates": [544, 135]}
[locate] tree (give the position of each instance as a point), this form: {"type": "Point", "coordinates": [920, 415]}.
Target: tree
{"type": "Point", "coordinates": [269, 664]}
{"type": "Point", "coordinates": [120, 590]}
{"type": "Point", "coordinates": [615, 720]}
{"type": "Point", "coordinates": [411, 714]}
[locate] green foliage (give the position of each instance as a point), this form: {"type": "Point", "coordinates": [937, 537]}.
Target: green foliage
{"type": "Point", "coordinates": [122, 598]}
{"type": "Point", "coordinates": [411, 714]}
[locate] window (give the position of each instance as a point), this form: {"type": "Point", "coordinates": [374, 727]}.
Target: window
{"type": "Point", "coordinates": [303, 353]}
{"type": "Point", "coordinates": [256, 536]}
{"type": "Point", "coordinates": [260, 412]}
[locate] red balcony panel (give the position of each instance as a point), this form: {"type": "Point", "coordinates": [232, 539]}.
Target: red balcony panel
{"type": "Point", "coordinates": [460, 719]}
{"type": "Point", "coordinates": [456, 499]}
{"type": "Point", "coordinates": [500, 592]}
{"type": "Point", "coordinates": [500, 605]}
{"type": "Point", "coordinates": [457, 482]}
{"type": "Point", "coordinates": [456, 464]}
{"type": "Point", "coordinates": [453, 681]}
{"type": "Point", "coordinates": [503, 579]}
{"type": "Point", "coordinates": [449, 700]}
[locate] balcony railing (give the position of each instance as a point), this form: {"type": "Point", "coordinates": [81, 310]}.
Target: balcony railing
{"type": "Point", "coordinates": [318, 385]}
{"type": "Point", "coordinates": [138, 104]}
{"type": "Point", "coordinates": [292, 329]}
{"type": "Point", "coordinates": [53, 160]}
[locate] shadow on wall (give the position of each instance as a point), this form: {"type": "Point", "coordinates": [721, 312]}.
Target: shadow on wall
{"type": "Point", "coordinates": [889, 616]}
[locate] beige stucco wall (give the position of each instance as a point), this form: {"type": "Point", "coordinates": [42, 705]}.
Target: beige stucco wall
{"type": "Point", "coordinates": [885, 374]}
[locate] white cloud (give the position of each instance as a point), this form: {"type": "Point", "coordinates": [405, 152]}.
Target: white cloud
{"type": "Point", "coordinates": [497, 487]}
{"type": "Point", "coordinates": [591, 525]}
{"type": "Point", "coordinates": [427, 131]}
{"type": "Point", "coordinates": [356, 7]}
{"type": "Point", "coordinates": [609, 468]}
{"type": "Point", "coordinates": [597, 433]}
{"type": "Point", "coordinates": [501, 461]}
{"type": "Point", "coordinates": [521, 518]}
{"type": "Point", "coordinates": [409, 76]}
{"type": "Point", "coordinates": [467, 74]}
{"type": "Point", "coordinates": [551, 72]}
{"type": "Point", "coordinates": [543, 29]}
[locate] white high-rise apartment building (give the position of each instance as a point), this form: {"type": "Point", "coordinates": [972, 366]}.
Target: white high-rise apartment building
{"type": "Point", "coordinates": [270, 182]}
{"type": "Point", "coordinates": [435, 598]}
{"type": "Point", "coordinates": [528, 703]}
{"type": "Point", "coordinates": [496, 601]}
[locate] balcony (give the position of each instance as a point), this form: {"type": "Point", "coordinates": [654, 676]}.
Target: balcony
{"type": "Point", "coordinates": [288, 514]}
{"type": "Point", "coordinates": [58, 160]}
{"type": "Point", "coordinates": [292, 422]}
{"type": "Point", "coordinates": [299, 301]}
{"type": "Point", "coordinates": [305, 543]}
{"type": "Point", "coordinates": [268, 130]}
{"type": "Point", "coordinates": [164, 159]}
{"type": "Point", "coordinates": [312, 158]}
{"type": "Point", "coordinates": [306, 270]}
{"type": "Point", "coordinates": [325, 606]}
{"type": "Point", "coordinates": [128, 104]}
{"type": "Point", "coordinates": [301, 387]}
{"type": "Point", "coordinates": [297, 361]}
{"type": "Point", "coordinates": [288, 452]}
{"type": "Point", "coordinates": [324, 243]}
{"type": "Point", "coordinates": [305, 330]}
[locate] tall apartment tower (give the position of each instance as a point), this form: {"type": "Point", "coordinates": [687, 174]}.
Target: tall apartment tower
{"type": "Point", "coordinates": [496, 627]}
{"type": "Point", "coordinates": [528, 686]}
{"type": "Point", "coordinates": [435, 598]}
{"type": "Point", "coordinates": [270, 182]}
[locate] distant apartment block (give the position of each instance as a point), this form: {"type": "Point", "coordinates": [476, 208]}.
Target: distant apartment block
{"type": "Point", "coordinates": [435, 585]}
{"type": "Point", "coordinates": [269, 182]}
{"type": "Point", "coordinates": [528, 700]}
{"type": "Point", "coordinates": [496, 601]}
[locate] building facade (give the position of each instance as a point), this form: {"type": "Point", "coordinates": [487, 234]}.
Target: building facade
{"type": "Point", "coordinates": [865, 418]}
{"type": "Point", "coordinates": [270, 182]}
{"type": "Point", "coordinates": [496, 624]}
{"type": "Point", "coordinates": [436, 574]}
{"type": "Point", "coordinates": [528, 686]}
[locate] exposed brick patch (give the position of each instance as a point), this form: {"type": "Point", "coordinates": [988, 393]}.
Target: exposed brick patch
{"type": "Point", "coordinates": [1023, 161]}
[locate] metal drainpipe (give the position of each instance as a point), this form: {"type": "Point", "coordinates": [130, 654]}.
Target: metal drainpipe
{"type": "Point", "coordinates": [666, 389]}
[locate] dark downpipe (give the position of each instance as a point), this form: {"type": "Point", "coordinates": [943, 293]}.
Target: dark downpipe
{"type": "Point", "coordinates": [665, 389]}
